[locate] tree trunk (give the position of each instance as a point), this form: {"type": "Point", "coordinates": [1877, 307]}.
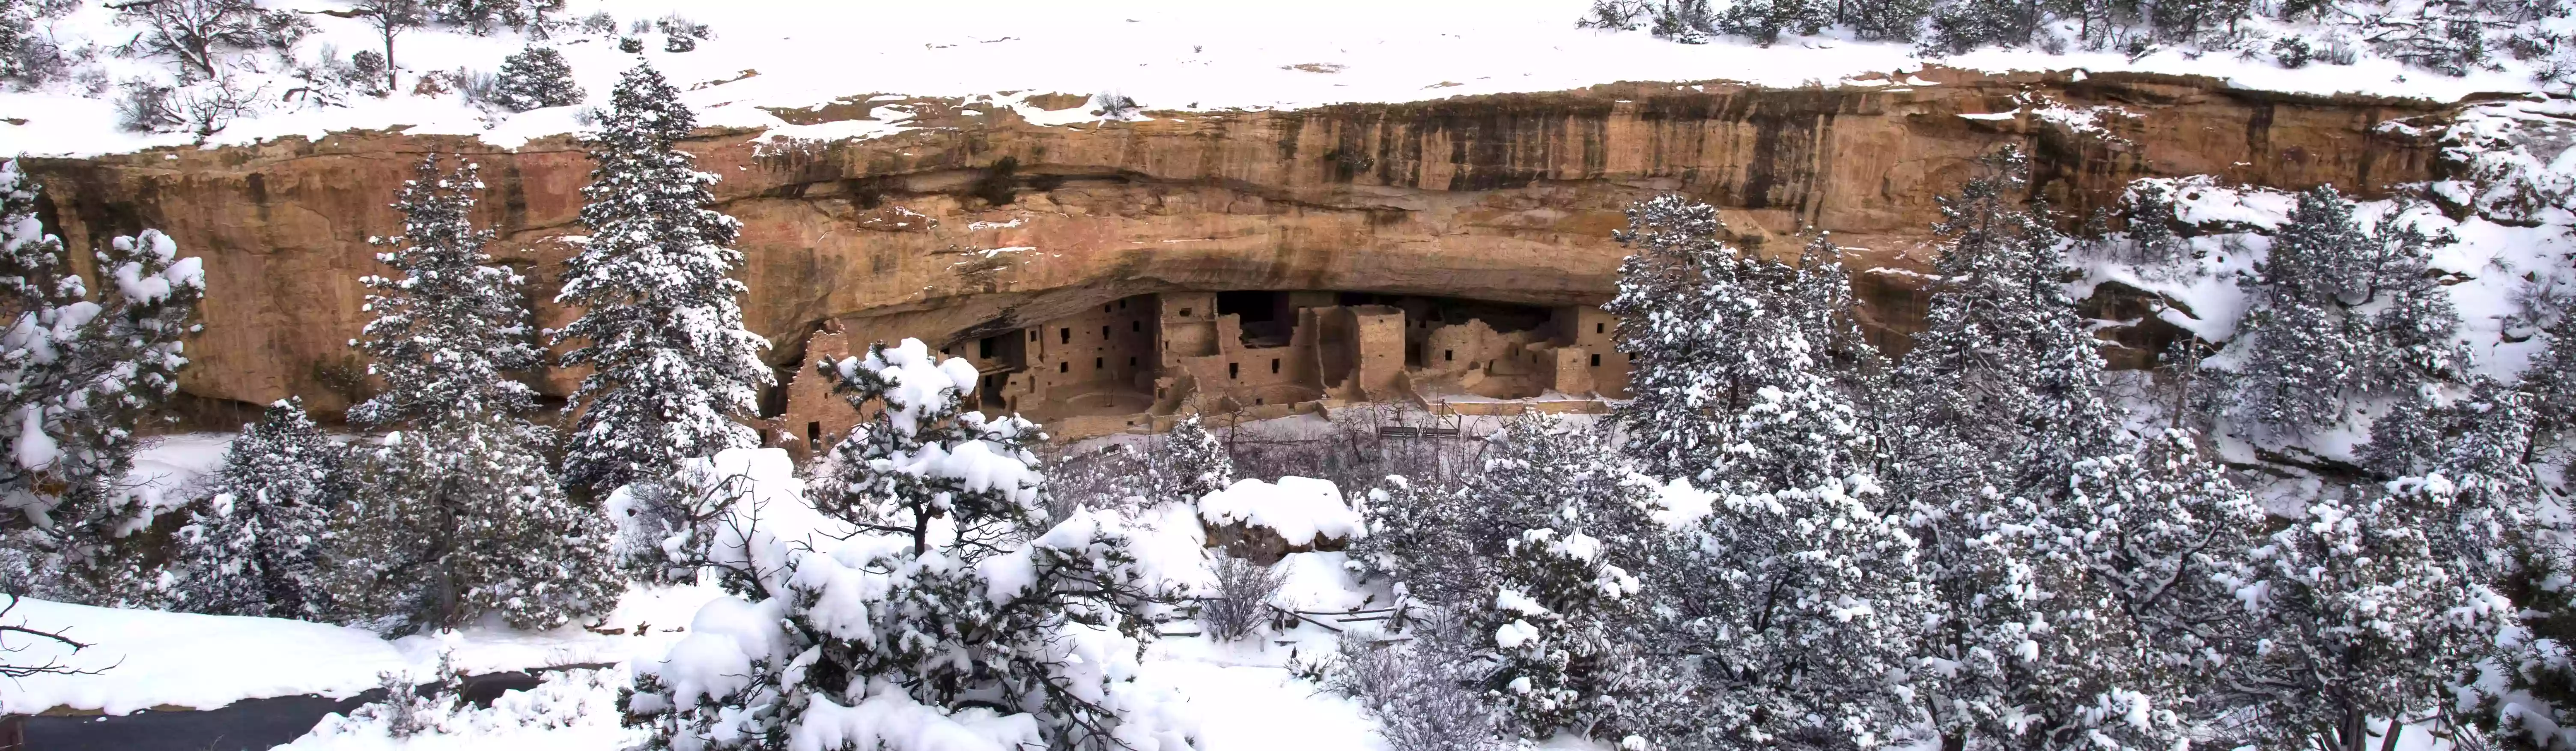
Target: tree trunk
{"type": "Point", "coordinates": [2395, 730]}
{"type": "Point", "coordinates": [392, 80]}
{"type": "Point", "coordinates": [1954, 741]}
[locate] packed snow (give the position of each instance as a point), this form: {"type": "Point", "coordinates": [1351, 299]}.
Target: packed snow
{"type": "Point", "coordinates": [1300, 509]}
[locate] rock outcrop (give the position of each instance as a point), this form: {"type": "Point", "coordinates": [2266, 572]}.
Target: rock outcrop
{"type": "Point", "coordinates": [975, 221]}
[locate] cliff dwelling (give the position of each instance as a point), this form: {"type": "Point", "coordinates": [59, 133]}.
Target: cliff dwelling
{"type": "Point", "coordinates": [1139, 363]}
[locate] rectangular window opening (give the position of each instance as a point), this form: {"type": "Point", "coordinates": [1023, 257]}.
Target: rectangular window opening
{"type": "Point", "coordinates": [1064, 367]}
{"type": "Point", "coordinates": [1274, 365]}
{"type": "Point", "coordinates": [1596, 361]}
{"type": "Point", "coordinates": [1136, 326]}
{"type": "Point", "coordinates": [1104, 333]}
{"type": "Point", "coordinates": [1096, 362]}
{"type": "Point", "coordinates": [1233, 370]}
{"type": "Point", "coordinates": [1448, 355]}
{"type": "Point", "coordinates": [1185, 312]}
{"type": "Point", "coordinates": [1065, 334]}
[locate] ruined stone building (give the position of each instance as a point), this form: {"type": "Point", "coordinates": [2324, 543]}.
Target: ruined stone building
{"type": "Point", "coordinates": [1139, 363]}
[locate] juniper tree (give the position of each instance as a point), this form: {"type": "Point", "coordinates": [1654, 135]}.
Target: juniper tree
{"type": "Point", "coordinates": [79, 374]}
{"type": "Point", "coordinates": [255, 548]}
{"type": "Point", "coordinates": [536, 78]}
{"type": "Point", "coordinates": [461, 514]}
{"type": "Point", "coordinates": [672, 368]}
{"type": "Point", "coordinates": [1763, 21]}
{"type": "Point", "coordinates": [2551, 384]}
{"type": "Point", "coordinates": [968, 602]}
{"type": "Point", "coordinates": [198, 35]}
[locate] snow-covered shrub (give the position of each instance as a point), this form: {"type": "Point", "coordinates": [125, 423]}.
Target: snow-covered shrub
{"type": "Point", "coordinates": [2292, 52]}
{"type": "Point", "coordinates": [1240, 601]}
{"type": "Point", "coordinates": [1556, 622]}
{"type": "Point", "coordinates": [659, 254]}
{"type": "Point", "coordinates": [599, 23]}
{"type": "Point", "coordinates": [1189, 463]}
{"type": "Point", "coordinates": [535, 78]}
{"type": "Point", "coordinates": [916, 596]}
{"type": "Point", "coordinates": [630, 45]}
{"type": "Point", "coordinates": [199, 37]}
{"type": "Point", "coordinates": [1414, 542]}
{"type": "Point", "coordinates": [28, 55]}
{"type": "Point", "coordinates": [202, 108]}
{"type": "Point", "coordinates": [1616, 15]}
{"type": "Point", "coordinates": [255, 547]}
{"type": "Point", "coordinates": [1114, 106]}
{"type": "Point", "coordinates": [81, 369]}
{"type": "Point", "coordinates": [1418, 690]}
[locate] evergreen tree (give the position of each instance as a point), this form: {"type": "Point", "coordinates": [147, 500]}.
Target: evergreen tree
{"type": "Point", "coordinates": [2310, 343]}
{"type": "Point", "coordinates": [2000, 404]}
{"type": "Point", "coordinates": [255, 547]}
{"type": "Point", "coordinates": [1763, 21]}
{"type": "Point", "coordinates": [78, 375]}
{"type": "Point", "coordinates": [1557, 526]}
{"type": "Point", "coordinates": [1704, 324]}
{"type": "Point", "coordinates": [1415, 542]}
{"type": "Point", "coordinates": [1962, 25]}
{"type": "Point", "coordinates": [2551, 383]}
{"type": "Point", "coordinates": [1191, 463]}
{"type": "Point", "coordinates": [536, 78]}
{"type": "Point", "coordinates": [672, 368]}
{"type": "Point", "coordinates": [448, 328]}
{"type": "Point", "coordinates": [461, 514]}
{"type": "Point", "coordinates": [2359, 617]}
{"type": "Point", "coordinates": [969, 603]}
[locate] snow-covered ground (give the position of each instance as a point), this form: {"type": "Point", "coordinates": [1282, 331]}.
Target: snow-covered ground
{"type": "Point", "coordinates": [1165, 54]}
{"type": "Point", "coordinates": [1242, 696]}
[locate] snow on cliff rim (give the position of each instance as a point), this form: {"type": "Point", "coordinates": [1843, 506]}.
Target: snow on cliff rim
{"type": "Point", "coordinates": [1166, 55]}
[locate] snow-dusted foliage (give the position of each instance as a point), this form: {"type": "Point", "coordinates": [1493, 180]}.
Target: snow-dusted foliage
{"type": "Point", "coordinates": [661, 327]}
{"type": "Point", "coordinates": [256, 546]}
{"type": "Point", "coordinates": [947, 617]}
{"type": "Point", "coordinates": [1191, 463]}
{"type": "Point", "coordinates": [27, 56]}
{"type": "Point", "coordinates": [449, 327]}
{"type": "Point", "coordinates": [459, 513]}
{"type": "Point", "coordinates": [2360, 618]}
{"type": "Point", "coordinates": [80, 370]}
{"type": "Point", "coordinates": [1701, 324]}
{"type": "Point", "coordinates": [2340, 312]}
{"type": "Point", "coordinates": [461, 520]}
{"type": "Point", "coordinates": [536, 78]}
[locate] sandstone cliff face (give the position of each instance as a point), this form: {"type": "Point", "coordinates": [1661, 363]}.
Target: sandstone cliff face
{"type": "Point", "coordinates": [977, 222]}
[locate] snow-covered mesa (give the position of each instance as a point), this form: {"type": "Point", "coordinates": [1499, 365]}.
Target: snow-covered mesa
{"type": "Point", "coordinates": [1165, 55]}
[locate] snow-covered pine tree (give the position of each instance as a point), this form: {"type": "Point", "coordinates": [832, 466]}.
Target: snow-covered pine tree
{"type": "Point", "coordinates": [672, 368]}
{"type": "Point", "coordinates": [1695, 316]}
{"type": "Point", "coordinates": [1562, 622]}
{"type": "Point", "coordinates": [2000, 402]}
{"type": "Point", "coordinates": [1797, 598]}
{"type": "Point", "coordinates": [2311, 345]}
{"type": "Point", "coordinates": [536, 78]}
{"type": "Point", "coordinates": [449, 328]}
{"type": "Point", "coordinates": [255, 548]}
{"type": "Point", "coordinates": [2551, 383]}
{"type": "Point", "coordinates": [1962, 25]}
{"type": "Point", "coordinates": [2358, 619]}
{"type": "Point", "coordinates": [461, 514]}
{"type": "Point", "coordinates": [77, 377]}
{"type": "Point", "coordinates": [2134, 608]}
{"type": "Point", "coordinates": [1191, 463]}
{"type": "Point", "coordinates": [969, 603]}
{"type": "Point", "coordinates": [1556, 524]}
{"type": "Point", "coordinates": [1414, 542]}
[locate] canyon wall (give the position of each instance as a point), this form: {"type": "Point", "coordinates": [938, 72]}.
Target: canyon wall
{"type": "Point", "coordinates": [975, 221]}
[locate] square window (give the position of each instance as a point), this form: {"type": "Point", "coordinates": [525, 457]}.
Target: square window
{"type": "Point", "coordinates": [1131, 362]}
{"type": "Point", "coordinates": [1185, 312]}
{"type": "Point", "coordinates": [1064, 367]}
{"type": "Point", "coordinates": [1447, 355]}
{"type": "Point", "coordinates": [1136, 326]}
{"type": "Point", "coordinates": [1596, 361]}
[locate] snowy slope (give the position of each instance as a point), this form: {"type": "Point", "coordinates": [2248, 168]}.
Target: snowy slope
{"type": "Point", "coordinates": [1165, 54]}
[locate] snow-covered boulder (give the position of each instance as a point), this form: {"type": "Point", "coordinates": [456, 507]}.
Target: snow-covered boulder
{"type": "Point", "coordinates": [1263, 521]}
